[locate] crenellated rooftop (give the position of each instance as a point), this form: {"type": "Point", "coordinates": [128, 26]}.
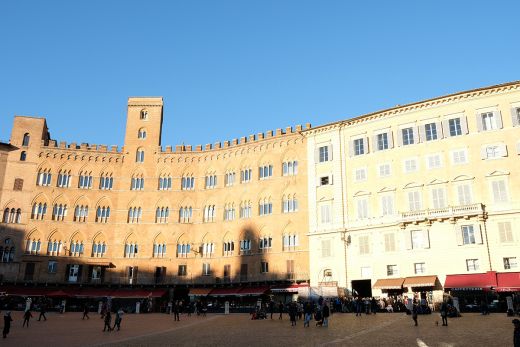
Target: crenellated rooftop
{"type": "Point", "coordinates": [53, 144]}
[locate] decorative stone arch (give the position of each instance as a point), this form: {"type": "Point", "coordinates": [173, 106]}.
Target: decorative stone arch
{"type": "Point", "coordinates": [11, 204]}
{"type": "Point", "coordinates": [134, 202]}
{"type": "Point", "coordinates": [45, 165]}
{"type": "Point", "coordinates": [183, 238]}
{"type": "Point", "coordinates": [162, 202]}
{"type": "Point", "coordinates": [131, 237]}
{"type": "Point", "coordinates": [85, 169]}
{"type": "Point", "coordinates": [82, 199]}
{"type": "Point", "coordinates": [496, 173]}
{"type": "Point", "coordinates": [77, 236]}
{"type": "Point", "coordinates": [362, 193]}
{"type": "Point", "coordinates": [99, 237]}
{"type": "Point", "coordinates": [34, 234]}
{"type": "Point", "coordinates": [462, 178]}
{"type": "Point", "coordinates": [61, 198]}
{"type": "Point", "coordinates": [103, 201]}
{"type": "Point", "coordinates": [159, 237]}
{"type": "Point", "coordinates": [413, 185]}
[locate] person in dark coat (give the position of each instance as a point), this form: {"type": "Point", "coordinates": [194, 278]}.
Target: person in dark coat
{"type": "Point", "coordinates": [326, 314]}
{"type": "Point", "coordinates": [26, 316]}
{"type": "Point", "coordinates": [280, 308]}
{"type": "Point", "coordinates": [7, 323]}
{"type": "Point", "coordinates": [516, 333]}
{"type": "Point", "coordinates": [444, 313]}
{"type": "Point", "coordinates": [415, 310]}
{"type": "Point", "coordinates": [292, 313]}
{"type": "Point", "coordinates": [85, 311]}
{"type": "Point", "coordinates": [176, 309]}
{"type": "Point", "coordinates": [359, 305]}
{"type": "Point", "coordinates": [307, 310]}
{"type": "Point", "coordinates": [108, 321]}
{"type": "Point", "coordinates": [43, 309]}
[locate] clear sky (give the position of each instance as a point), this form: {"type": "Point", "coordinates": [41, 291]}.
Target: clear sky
{"type": "Point", "coordinates": [232, 68]}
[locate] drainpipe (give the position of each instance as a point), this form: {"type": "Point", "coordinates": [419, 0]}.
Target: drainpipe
{"type": "Point", "coordinates": [483, 220]}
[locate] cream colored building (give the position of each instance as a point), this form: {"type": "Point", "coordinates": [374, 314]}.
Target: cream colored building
{"type": "Point", "coordinates": [231, 213]}
{"type": "Point", "coordinates": [426, 189]}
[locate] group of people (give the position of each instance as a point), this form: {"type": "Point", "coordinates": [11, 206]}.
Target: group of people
{"type": "Point", "coordinates": [308, 310]}
{"type": "Point", "coordinates": [107, 317]}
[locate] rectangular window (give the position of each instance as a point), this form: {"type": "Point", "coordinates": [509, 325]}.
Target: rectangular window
{"type": "Point", "coordinates": [391, 270]}
{"type": "Point", "coordinates": [290, 269]}
{"type": "Point", "coordinates": [499, 191]}
{"type": "Point", "coordinates": [419, 268]}
{"type": "Point", "coordinates": [325, 248]}
{"type": "Point", "coordinates": [489, 121]}
{"type": "Point", "coordinates": [182, 270]}
{"type": "Point", "coordinates": [468, 235]}
{"type": "Point", "coordinates": [390, 242]}
{"type": "Point", "coordinates": [472, 265]}
{"type": "Point", "coordinates": [264, 267]}
{"type": "Point", "coordinates": [366, 272]}
{"type": "Point", "coordinates": [382, 141]}
{"type": "Point", "coordinates": [410, 165]}
{"type": "Point", "coordinates": [384, 170]}
{"type": "Point", "coordinates": [18, 184]}
{"type": "Point", "coordinates": [464, 194]}
{"type": "Point", "coordinates": [438, 198]}
{"type": "Point", "coordinates": [407, 134]}
{"type": "Point", "coordinates": [323, 154]}
{"type": "Point", "coordinates": [325, 214]}
{"type": "Point", "coordinates": [455, 128]}
{"type": "Point", "coordinates": [360, 174]}
{"type": "Point", "coordinates": [459, 157]}
{"type": "Point", "coordinates": [420, 239]}
{"type": "Point", "coordinates": [362, 208]}
{"type": "Point", "coordinates": [387, 205]}
{"type": "Point", "coordinates": [359, 147]}
{"type": "Point", "coordinates": [510, 263]}
{"type": "Point", "coordinates": [505, 233]}
{"type": "Point", "coordinates": [364, 245]}
{"type": "Point", "coordinates": [52, 267]}
{"type": "Point", "coordinates": [206, 269]}
{"type": "Point", "coordinates": [430, 131]}
{"type": "Point", "coordinates": [324, 180]}
{"type": "Point", "coordinates": [414, 201]}
{"type": "Point", "coordinates": [434, 161]}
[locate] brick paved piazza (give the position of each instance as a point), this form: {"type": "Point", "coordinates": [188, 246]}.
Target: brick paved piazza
{"type": "Point", "coordinates": [238, 330]}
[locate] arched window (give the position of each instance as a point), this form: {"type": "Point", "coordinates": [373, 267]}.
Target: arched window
{"type": "Point", "coordinates": [38, 211]}
{"type": "Point", "coordinates": [106, 181]}
{"type": "Point", "coordinates": [54, 247]}
{"type": "Point", "coordinates": [76, 248]}
{"type": "Point", "coordinates": [26, 139]}
{"type": "Point", "coordinates": [81, 213]}
{"type": "Point", "coordinates": [229, 248]}
{"type": "Point", "coordinates": [134, 214]}
{"type": "Point", "coordinates": [44, 177]}
{"type": "Point", "coordinates": [99, 248]}
{"type": "Point", "coordinates": [85, 180]}
{"type": "Point", "coordinates": [33, 246]}
{"type": "Point", "coordinates": [5, 218]}
{"type": "Point", "coordinates": [23, 156]}
{"type": "Point", "coordinates": [183, 249]}
{"type": "Point", "coordinates": [139, 156]}
{"type": "Point", "coordinates": [144, 114]}
{"type": "Point", "coordinates": [102, 214]}
{"type": "Point", "coordinates": [64, 179]}
{"type": "Point", "coordinates": [141, 134]}
{"type": "Point", "coordinates": [7, 251]}
{"type": "Point", "coordinates": [59, 211]}
{"type": "Point", "coordinates": [159, 249]}
{"type": "Point", "coordinates": [131, 249]}
{"type": "Point", "coordinates": [137, 182]}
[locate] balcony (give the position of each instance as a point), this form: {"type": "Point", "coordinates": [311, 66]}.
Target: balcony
{"type": "Point", "coordinates": [450, 212]}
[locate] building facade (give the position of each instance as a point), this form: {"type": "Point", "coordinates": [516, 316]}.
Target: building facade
{"type": "Point", "coordinates": [227, 214]}
{"type": "Point", "coordinates": [403, 198]}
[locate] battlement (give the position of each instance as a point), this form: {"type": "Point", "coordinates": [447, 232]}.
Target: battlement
{"type": "Point", "coordinates": [52, 144]}
{"type": "Point", "coordinates": [237, 142]}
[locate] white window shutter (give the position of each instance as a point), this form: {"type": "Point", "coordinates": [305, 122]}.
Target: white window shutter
{"type": "Point", "coordinates": [426, 238]}
{"type": "Point", "coordinates": [330, 152]}
{"type": "Point", "coordinates": [351, 148]}
{"type": "Point", "coordinates": [390, 139]}
{"type": "Point", "coordinates": [498, 116]}
{"type": "Point", "coordinates": [422, 133]}
{"type": "Point", "coordinates": [514, 116]}
{"type": "Point", "coordinates": [518, 147]}
{"type": "Point", "coordinates": [374, 143]}
{"type": "Point", "coordinates": [503, 150]}
{"type": "Point", "coordinates": [365, 147]}
{"type": "Point", "coordinates": [478, 235]}
{"type": "Point", "coordinates": [464, 124]}
{"type": "Point", "coordinates": [478, 119]}
{"type": "Point", "coordinates": [415, 135]}
{"type": "Point", "coordinates": [440, 130]}
{"type": "Point", "coordinates": [446, 128]}
{"type": "Point", "coordinates": [400, 137]}
{"type": "Point", "coordinates": [316, 160]}
{"type": "Point", "coordinates": [483, 152]}
{"type": "Point", "coordinates": [408, 239]}
{"type": "Point", "coordinates": [458, 235]}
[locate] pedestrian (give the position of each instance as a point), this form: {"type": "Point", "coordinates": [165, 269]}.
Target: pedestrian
{"type": "Point", "coordinates": [516, 333]}
{"type": "Point", "coordinates": [108, 321]}
{"type": "Point", "coordinates": [292, 313]}
{"type": "Point", "coordinates": [43, 309]}
{"type": "Point", "coordinates": [280, 308]}
{"type": "Point", "coordinates": [444, 313]}
{"type": "Point", "coordinates": [326, 313]}
{"type": "Point", "coordinates": [414, 313]}
{"type": "Point", "coordinates": [176, 309]}
{"type": "Point", "coordinates": [374, 305]}
{"type": "Point", "coordinates": [359, 305]}
{"type": "Point", "coordinates": [307, 310]}
{"type": "Point", "coordinates": [119, 318]}
{"type": "Point", "coordinates": [85, 311]}
{"type": "Point", "coordinates": [26, 316]}
{"type": "Point", "coordinates": [7, 323]}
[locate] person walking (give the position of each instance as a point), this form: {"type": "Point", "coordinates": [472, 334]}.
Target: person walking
{"type": "Point", "coordinates": [359, 305]}
{"type": "Point", "coordinates": [444, 313]}
{"type": "Point", "coordinates": [26, 316]}
{"type": "Point", "coordinates": [516, 333]}
{"type": "Point", "coordinates": [415, 310]}
{"type": "Point", "coordinates": [119, 318]}
{"type": "Point", "coordinates": [85, 311]}
{"type": "Point", "coordinates": [176, 309]}
{"type": "Point", "coordinates": [280, 308]}
{"type": "Point", "coordinates": [326, 314]}
{"type": "Point", "coordinates": [43, 309]}
{"type": "Point", "coordinates": [108, 321]}
{"type": "Point", "coordinates": [7, 323]}
{"type": "Point", "coordinates": [292, 313]}
{"type": "Point", "coordinates": [307, 310]}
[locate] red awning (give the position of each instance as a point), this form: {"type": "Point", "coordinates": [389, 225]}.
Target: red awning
{"type": "Point", "coordinates": [57, 294]}
{"type": "Point", "coordinates": [471, 281]}
{"type": "Point", "coordinates": [137, 293]}
{"type": "Point", "coordinates": [24, 291]}
{"type": "Point", "coordinates": [200, 291]}
{"type": "Point", "coordinates": [94, 293]}
{"type": "Point", "coordinates": [253, 290]}
{"type": "Point", "coordinates": [291, 288]}
{"type": "Point", "coordinates": [225, 291]}
{"type": "Point", "coordinates": [508, 282]}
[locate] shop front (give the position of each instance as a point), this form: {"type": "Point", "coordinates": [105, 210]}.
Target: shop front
{"type": "Point", "coordinates": [473, 291]}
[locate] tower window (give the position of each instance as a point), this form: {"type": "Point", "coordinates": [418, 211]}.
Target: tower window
{"type": "Point", "coordinates": [26, 139]}
{"type": "Point", "coordinates": [144, 114]}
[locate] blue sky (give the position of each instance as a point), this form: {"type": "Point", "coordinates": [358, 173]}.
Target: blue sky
{"type": "Point", "coordinates": [232, 68]}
